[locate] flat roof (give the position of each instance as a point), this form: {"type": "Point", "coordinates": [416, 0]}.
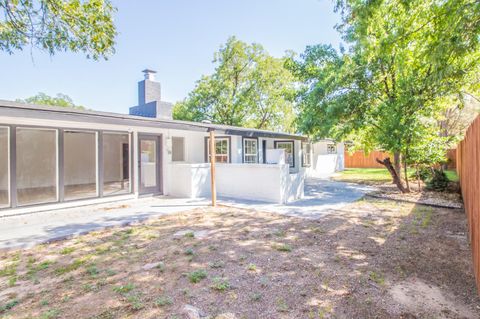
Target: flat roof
{"type": "Point", "coordinates": [17, 109]}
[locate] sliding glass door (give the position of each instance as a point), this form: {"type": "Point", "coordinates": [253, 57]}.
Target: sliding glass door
{"type": "Point", "coordinates": [116, 163]}
{"type": "Point", "coordinates": [45, 165]}
{"type": "Point", "coordinates": [36, 166]}
{"type": "Point", "coordinates": [80, 164]}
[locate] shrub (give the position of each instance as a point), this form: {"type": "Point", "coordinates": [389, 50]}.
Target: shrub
{"type": "Point", "coordinates": [439, 181]}
{"type": "Point", "coordinates": [197, 276]}
{"type": "Point", "coordinates": [220, 284]}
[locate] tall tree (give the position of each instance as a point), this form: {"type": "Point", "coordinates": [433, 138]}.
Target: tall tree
{"type": "Point", "coordinates": [248, 88]}
{"type": "Point", "coordinates": [60, 99]}
{"type": "Point", "coordinates": [388, 91]}
{"type": "Point", "coordinates": [58, 25]}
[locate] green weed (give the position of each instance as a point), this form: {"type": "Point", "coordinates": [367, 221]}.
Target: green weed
{"type": "Point", "coordinates": [197, 275]}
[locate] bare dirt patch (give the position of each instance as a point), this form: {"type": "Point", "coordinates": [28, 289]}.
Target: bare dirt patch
{"type": "Point", "coordinates": [371, 259]}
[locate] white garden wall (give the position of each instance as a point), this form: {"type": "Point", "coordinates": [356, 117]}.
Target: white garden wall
{"type": "Point", "coordinates": [262, 182]}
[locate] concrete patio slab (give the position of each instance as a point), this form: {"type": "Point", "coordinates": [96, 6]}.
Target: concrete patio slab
{"type": "Point", "coordinates": [30, 229]}
{"type": "Point", "coordinates": [322, 197]}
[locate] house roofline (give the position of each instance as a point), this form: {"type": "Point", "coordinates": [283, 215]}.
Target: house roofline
{"type": "Point", "coordinates": [18, 109]}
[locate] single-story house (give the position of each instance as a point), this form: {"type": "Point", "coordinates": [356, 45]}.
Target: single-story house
{"type": "Point", "coordinates": [55, 157]}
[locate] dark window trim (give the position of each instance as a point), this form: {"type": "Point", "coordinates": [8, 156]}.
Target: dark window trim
{"type": "Point", "coordinates": [229, 138]}
{"type": "Point", "coordinates": [159, 139]}
{"type": "Point", "coordinates": [264, 151]}
{"type": "Point", "coordinates": [275, 143]}
{"type": "Point", "coordinates": [12, 158]}
{"type": "Point", "coordinates": [243, 148]}
{"type": "Point", "coordinates": [334, 145]}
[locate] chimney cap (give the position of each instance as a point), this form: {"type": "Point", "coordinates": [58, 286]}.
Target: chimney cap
{"type": "Point", "coordinates": [149, 74]}
{"type": "Point", "coordinates": [146, 71]}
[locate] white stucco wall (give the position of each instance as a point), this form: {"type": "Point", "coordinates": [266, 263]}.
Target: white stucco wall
{"type": "Point", "coordinates": [324, 163]}
{"type": "Point", "coordinates": [262, 182]}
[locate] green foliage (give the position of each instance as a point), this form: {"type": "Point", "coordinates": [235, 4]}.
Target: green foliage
{"type": "Point", "coordinates": [248, 88]}
{"type": "Point", "coordinates": [123, 289]}
{"type": "Point", "coordinates": [406, 60]}
{"type": "Point", "coordinates": [60, 99]}
{"type": "Point", "coordinates": [438, 181]}
{"type": "Point", "coordinates": [163, 301]}
{"type": "Point", "coordinates": [220, 284]}
{"type": "Point", "coordinates": [197, 275]}
{"type": "Point", "coordinates": [283, 247]}
{"type": "Point", "coordinates": [58, 25]}
{"type": "Point", "coordinates": [9, 305]}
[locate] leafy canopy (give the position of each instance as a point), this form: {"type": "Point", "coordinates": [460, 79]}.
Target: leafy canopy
{"type": "Point", "coordinates": [248, 88]}
{"type": "Point", "coordinates": [388, 90]}
{"type": "Point", "coordinates": [58, 25]}
{"type": "Point", "coordinates": [60, 99]}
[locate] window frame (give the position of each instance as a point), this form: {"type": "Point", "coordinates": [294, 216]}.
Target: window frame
{"type": "Point", "coordinates": [101, 163]}
{"type": "Point", "coordinates": [58, 161]}
{"type": "Point", "coordinates": [184, 149]}
{"type": "Point", "coordinates": [62, 169]}
{"type": "Point", "coordinates": [218, 138]}
{"type": "Point", "coordinates": [292, 142]}
{"type": "Point", "coordinates": [13, 200]}
{"type": "Point", "coordinates": [9, 167]}
{"type": "Point", "coordinates": [306, 154]}
{"type": "Point", "coordinates": [334, 147]}
{"type": "Point", "coordinates": [244, 153]}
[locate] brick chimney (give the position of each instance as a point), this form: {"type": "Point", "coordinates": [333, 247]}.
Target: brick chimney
{"type": "Point", "coordinates": [150, 103]}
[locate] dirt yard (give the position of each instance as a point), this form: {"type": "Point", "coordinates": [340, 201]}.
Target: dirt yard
{"type": "Point", "coordinates": [373, 259]}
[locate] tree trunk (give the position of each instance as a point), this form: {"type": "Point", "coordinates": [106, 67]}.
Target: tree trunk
{"type": "Point", "coordinates": [406, 176]}
{"type": "Point", "coordinates": [418, 178]}
{"type": "Point", "coordinates": [396, 179]}
{"type": "Point", "coordinates": [398, 164]}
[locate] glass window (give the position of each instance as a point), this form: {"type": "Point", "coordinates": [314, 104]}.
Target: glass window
{"type": "Point", "coordinates": [331, 149]}
{"type": "Point", "coordinates": [306, 154]}
{"type": "Point", "coordinates": [222, 148]}
{"type": "Point", "coordinates": [288, 147]}
{"type": "Point", "coordinates": [178, 149]}
{"type": "Point", "coordinates": [36, 165]}
{"type": "Point", "coordinates": [4, 167]}
{"type": "Point", "coordinates": [116, 163]}
{"type": "Point", "coordinates": [250, 150]}
{"type": "Point", "coordinates": [148, 167]}
{"type": "Point", "coordinates": [80, 164]}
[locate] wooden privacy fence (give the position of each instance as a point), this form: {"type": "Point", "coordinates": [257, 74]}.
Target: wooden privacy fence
{"type": "Point", "coordinates": [361, 160]}
{"type": "Point", "coordinates": [468, 169]}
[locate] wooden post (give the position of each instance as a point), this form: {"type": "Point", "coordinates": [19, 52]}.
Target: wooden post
{"type": "Point", "coordinates": [212, 168]}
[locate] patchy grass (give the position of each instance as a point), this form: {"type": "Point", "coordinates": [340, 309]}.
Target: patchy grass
{"type": "Point", "coordinates": [220, 284]}
{"type": "Point", "coordinates": [282, 247]}
{"type": "Point", "coordinates": [452, 175]}
{"type": "Point", "coordinates": [123, 289]}
{"type": "Point", "coordinates": [347, 264]}
{"type": "Point", "coordinates": [197, 275]}
{"type": "Point", "coordinates": [378, 175]}
{"type": "Point", "coordinates": [368, 175]}
{"type": "Point", "coordinates": [164, 301]}
{"type": "Point", "coordinates": [189, 234]}
{"type": "Point", "coordinates": [9, 305]}
{"type": "Point", "coordinates": [67, 250]}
